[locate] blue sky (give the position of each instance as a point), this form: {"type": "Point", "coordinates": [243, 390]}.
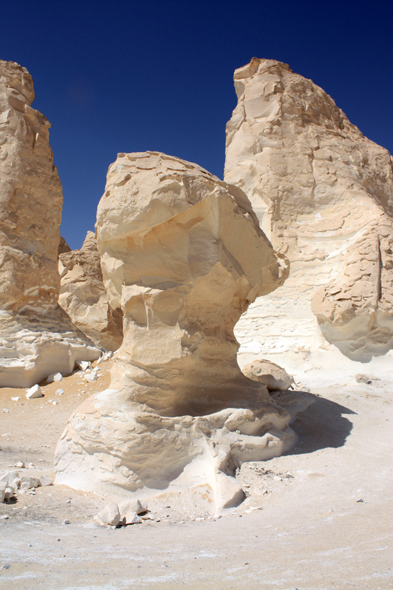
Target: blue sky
{"type": "Point", "coordinates": [123, 76]}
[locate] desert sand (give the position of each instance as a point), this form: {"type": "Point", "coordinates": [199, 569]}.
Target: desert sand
{"type": "Point", "coordinates": [316, 518]}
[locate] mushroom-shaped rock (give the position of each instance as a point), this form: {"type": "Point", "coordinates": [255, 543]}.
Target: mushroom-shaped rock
{"type": "Point", "coordinates": [182, 256]}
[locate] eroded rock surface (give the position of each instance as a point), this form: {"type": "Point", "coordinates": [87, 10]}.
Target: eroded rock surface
{"type": "Point", "coordinates": [83, 295]}
{"type": "Point", "coordinates": [271, 375]}
{"type": "Point", "coordinates": [324, 196]}
{"type": "Point", "coordinates": [182, 256]}
{"type": "Point", "coordinates": [36, 336]}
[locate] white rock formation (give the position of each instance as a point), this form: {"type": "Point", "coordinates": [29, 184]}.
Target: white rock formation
{"type": "Point", "coordinates": [182, 255]}
{"type": "Point", "coordinates": [271, 375]}
{"type": "Point", "coordinates": [83, 296]}
{"type": "Point", "coordinates": [324, 196]}
{"type": "Point", "coordinates": [36, 336]}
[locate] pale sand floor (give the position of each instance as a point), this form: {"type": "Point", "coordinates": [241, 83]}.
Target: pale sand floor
{"type": "Point", "coordinates": [310, 532]}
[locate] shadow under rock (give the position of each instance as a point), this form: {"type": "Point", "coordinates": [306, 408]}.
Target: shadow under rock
{"type": "Point", "coordinates": [322, 425]}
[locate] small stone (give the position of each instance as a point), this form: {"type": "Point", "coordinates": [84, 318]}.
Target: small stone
{"type": "Point", "coordinates": [55, 377]}
{"type": "Point", "coordinates": [34, 392]}
{"type": "Point", "coordinates": [20, 464]}
{"type": "Point", "coordinates": [91, 377]}
{"type": "Point", "coordinates": [360, 500]}
{"type": "Point", "coordinates": [55, 403]}
{"type": "Point", "coordinates": [28, 482]}
{"type": "Point", "coordinates": [4, 517]}
{"type": "Point", "coordinates": [148, 516]}
{"type": "Point", "coordinates": [15, 399]}
{"type": "Point", "coordinates": [67, 521]}
{"type": "Point", "coordinates": [44, 480]}
{"type": "Point", "coordinates": [83, 365]}
{"type": "Point", "coordinates": [6, 411]}
{"type": "Point", "coordinates": [31, 466]}
{"type": "Point", "coordinates": [59, 391]}
{"type": "Point", "coordinates": [6, 566]}
{"type": "Point", "coordinates": [108, 516]}
{"type": "Point", "coordinates": [135, 519]}
{"type": "Point", "coordinates": [277, 478]}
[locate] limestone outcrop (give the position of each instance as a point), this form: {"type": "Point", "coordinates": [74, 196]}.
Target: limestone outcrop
{"type": "Point", "coordinates": [182, 256]}
{"type": "Point", "coordinates": [36, 336]}
{"type": "Point", "coordinates": [324, 196]}
{"type": "Point", "coordinates": [83, 295]}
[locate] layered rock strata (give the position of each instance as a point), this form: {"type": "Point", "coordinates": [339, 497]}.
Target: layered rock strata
{"type": "Point", "coordinates": [36, 336]}
{"type": "Point", "coordinates": [182, 256]}
{"type": "Point", "coordinates": [324, 196]}
{"type": "Point", "coordinates": [83, 295]}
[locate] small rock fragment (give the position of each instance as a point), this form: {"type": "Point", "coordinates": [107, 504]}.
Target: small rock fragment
{"type": "Point", "coordinates": [59, 391]}
{"type": "Point", "coordinates": [83, 365]}
{"type": "Point", "coordinates": [34, 392]}
{"type": "Point", "coordinates": [15, 399]}
{"type": "Point", "coordinates": [43, 480]}
{"type": "Point", "coordinates": [108, 516]}
{"type": "Point", "coordinates": [55, 377]}
{"type": "Point", "coordinates": [27, 482]}
{"type": "Point", "coordinates": [20, 464]}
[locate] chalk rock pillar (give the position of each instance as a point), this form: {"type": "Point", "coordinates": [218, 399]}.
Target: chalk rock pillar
{"type": "Point", "coordinates": [36, 336]}
{"type": "Point", "coordinates": [323, 194]}
{"type": "Point", "coordinates": [182, 255]}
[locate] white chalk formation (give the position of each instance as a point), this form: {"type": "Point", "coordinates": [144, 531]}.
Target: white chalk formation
{"type": "Point", "coordinates": [323, 194]}
{"type": "Point", "coordinates": [36, 336]}
{"type": "Point", "coordinates": [182, 256]}
{"type": "Point", "coordinates": [83, 296]}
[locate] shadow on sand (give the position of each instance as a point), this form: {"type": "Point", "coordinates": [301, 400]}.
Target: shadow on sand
{"type": "Point", "coordinates": [322, 425]}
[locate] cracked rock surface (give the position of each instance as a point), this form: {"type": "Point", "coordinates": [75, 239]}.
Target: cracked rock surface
{"type": "Point", "coordinates": [323, 194]}
{"type": "Point", "coordinates": [36, 336]}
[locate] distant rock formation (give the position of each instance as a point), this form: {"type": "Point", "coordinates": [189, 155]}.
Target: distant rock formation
{"type": "Point", "coordinates": [182, 255]}
{"type": "Point", "coordinates": [36, 336]}
{"type": "Point", "coordinates": [83, 295]}
{"type": "Point", "coordinates": [324, 196]}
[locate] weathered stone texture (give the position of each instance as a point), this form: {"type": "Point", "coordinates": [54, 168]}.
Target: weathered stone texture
{"type": "Point", "coordinates": [324, 196]}
{"type": "Point", "coordinates": [83, 296]}
{"type": "Point", "coordinates": [182, 256]}
{"type": "Point", "coordinates": [36, 337]}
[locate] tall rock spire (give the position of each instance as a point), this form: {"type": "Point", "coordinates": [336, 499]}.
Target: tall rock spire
{"type": "Point", "coordinates": [36, 336]}
{"type": "Point", "coordinates": [324, 197]}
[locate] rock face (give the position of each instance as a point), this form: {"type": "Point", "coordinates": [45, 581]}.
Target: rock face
{"type": "Point", "coordinates": [36, 336]}
{"type": "Point", "coordinates": [83, 295]}
{"type": "Point", "coordinates": [324, 196]}
{"type": "Point", "coordinates": [182, 255]}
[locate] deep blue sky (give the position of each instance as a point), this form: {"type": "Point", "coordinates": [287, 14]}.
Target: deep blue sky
{"type": "Point", "coordinates": [123, 76]}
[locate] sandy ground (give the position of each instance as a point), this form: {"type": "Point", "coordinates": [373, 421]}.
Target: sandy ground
{"type": "Point", "coordinates": [317, 518]}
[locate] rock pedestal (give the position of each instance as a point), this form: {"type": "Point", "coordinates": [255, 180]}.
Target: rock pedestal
{"type": "Point", "coordinates": [36, 336]}
{"type": "Point", "coordinates": [323, 194]}
{"type": "Point", "coordinates": [182, 256]}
